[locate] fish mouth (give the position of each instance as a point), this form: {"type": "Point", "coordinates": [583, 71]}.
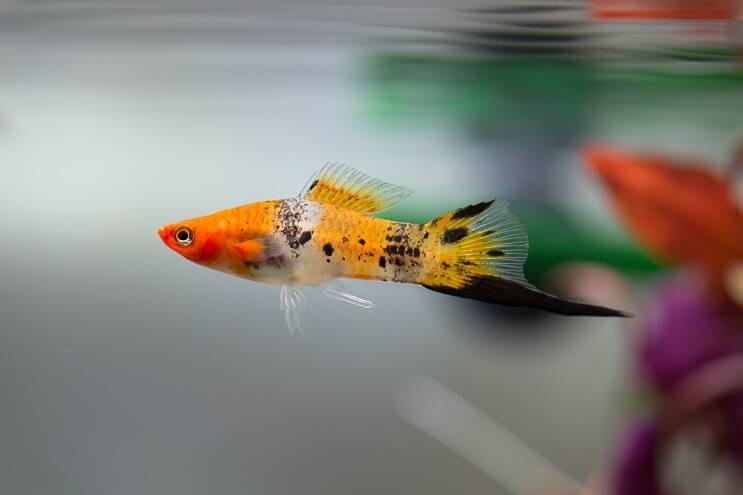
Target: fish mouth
{"type": "Point", "coordinates": [164, 233]}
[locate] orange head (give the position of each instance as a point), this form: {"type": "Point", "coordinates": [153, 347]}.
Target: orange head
{"type": "Point", "coordinates": [198, 240]}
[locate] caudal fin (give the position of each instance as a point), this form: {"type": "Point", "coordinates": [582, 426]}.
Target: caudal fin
{"type": "Point", "coordinates": [481, 253]}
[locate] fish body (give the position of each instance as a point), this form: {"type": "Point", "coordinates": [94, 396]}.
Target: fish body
{"type": "Point", "coordinates": [309, 243]}
{"type": "Point", "coordinates": [328, 233]}
{"type": "Point", "coordinates": [302, 242]}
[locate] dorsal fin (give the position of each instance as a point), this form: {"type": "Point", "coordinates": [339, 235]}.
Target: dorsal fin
{"type": "Point", "coordinates": [343, 186]}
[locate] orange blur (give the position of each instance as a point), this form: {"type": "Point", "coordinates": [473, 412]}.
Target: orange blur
{"type": "Point", "coordinates": [665, 9]}
{"type": "Point", "coordinates": [675, 207]}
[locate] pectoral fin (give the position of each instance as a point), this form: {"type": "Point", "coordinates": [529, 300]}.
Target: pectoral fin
{"type": "Point", "coordinates": [259, 250]}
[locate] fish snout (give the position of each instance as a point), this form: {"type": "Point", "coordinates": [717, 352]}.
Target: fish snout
{"type": "Point", "coordinates": [165, 233]}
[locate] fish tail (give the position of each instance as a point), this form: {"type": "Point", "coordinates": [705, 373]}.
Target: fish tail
{"type": "Point", "coordinates": [480, 253]}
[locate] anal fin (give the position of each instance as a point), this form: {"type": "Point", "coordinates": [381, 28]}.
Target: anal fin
{"type": "Point", "coordinates": [338, 290]}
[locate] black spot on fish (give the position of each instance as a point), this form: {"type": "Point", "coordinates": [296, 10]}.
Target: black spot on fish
{"type": "Point", "coordinates": [416, 252]}
{"type": "Point", "coordinates": [409, 251]}
{"type": "Point", "coordinates": [471, 210]}
{"type": "Point", "coordinates": [487, 233]}
{"type": "Point", "coordinates": [467, 262]}
{"type": "Point", "coordinates": [293, 244]}
{"type": "Point", "coordinates": [454, 235]}
{"type": "Point", "coordinates": [344, 239]}
{"type": "Point", "coordinates": [425, 236]}
{"type": "Point", "coordinates": [399, 262]}
{"type": "Point", "coordinates": [382, 261]}
{"type": "Point", "coordinates": [328, 249]}
{"type": "Point", "coordinates": [397, 238]}
{"type": "Point", "coordinates": [362, 241]}
{"type": "Point", "coordinates": [328, 260]}
{"type": "Point", "coordinates": [495, 252]}
{"type": "Point", "coordinates": [290, 215]}
{"type": "Point", "coordinates": [312, 186]}
{"type": "Point", "coordinates": [306, 236]}
{"type": "Point", "coordinates": [445, 265]}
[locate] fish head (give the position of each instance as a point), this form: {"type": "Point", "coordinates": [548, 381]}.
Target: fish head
{"type": "Point", "coordinates": [200, 240]}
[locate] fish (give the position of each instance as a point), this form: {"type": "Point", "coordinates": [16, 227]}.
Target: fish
{"type": "Point", "coordinates": [329, 233]}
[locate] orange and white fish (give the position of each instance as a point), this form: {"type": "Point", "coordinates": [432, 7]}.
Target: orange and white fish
{"type": "Point", "coordinates": [327, 233]}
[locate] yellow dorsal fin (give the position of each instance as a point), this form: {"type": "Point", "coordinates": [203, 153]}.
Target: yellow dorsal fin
{"type": "Point", "coordinates": [343, 186]}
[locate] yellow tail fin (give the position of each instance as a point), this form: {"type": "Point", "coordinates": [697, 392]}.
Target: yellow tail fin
{"type": "Point", "coordinates": [482, 239]}
{"type": "Point", "coordinates": [480, 255]}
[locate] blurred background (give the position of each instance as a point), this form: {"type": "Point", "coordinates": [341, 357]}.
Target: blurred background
{"type": "Point", "coordinates": [125, 369]}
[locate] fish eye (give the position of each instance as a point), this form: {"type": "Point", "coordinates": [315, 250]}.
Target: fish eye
{"type": "Point", "coordinates": [183, 236]}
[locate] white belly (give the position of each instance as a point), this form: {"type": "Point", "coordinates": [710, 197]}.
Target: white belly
{"type": "Point", "coordinates": [309, 268]}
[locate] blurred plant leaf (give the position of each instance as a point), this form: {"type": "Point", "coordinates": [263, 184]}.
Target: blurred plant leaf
{"type": "Point", "coordinates": [675, 207]}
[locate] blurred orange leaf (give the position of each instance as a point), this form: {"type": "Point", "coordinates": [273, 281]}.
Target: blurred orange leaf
{"type": "Point", "coordinates": [665, 9]}
{"type": "Point", "coordinates": [676, 208]}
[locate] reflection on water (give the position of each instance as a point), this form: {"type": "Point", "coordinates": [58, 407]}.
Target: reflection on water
{"type": "Point", "coordinates": [126, 370]}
